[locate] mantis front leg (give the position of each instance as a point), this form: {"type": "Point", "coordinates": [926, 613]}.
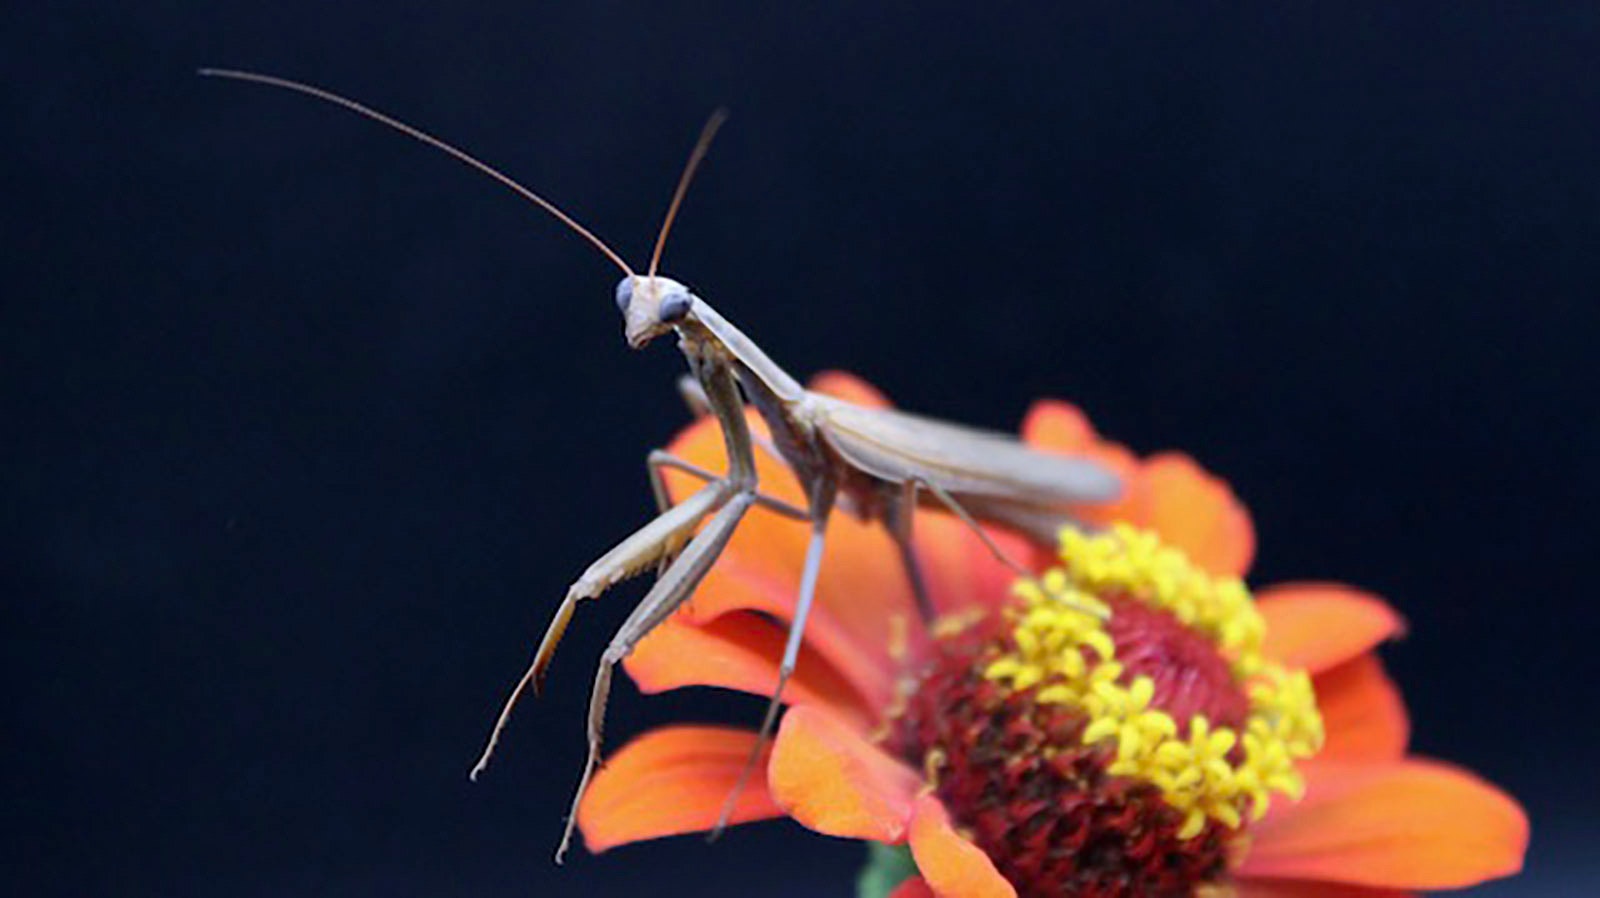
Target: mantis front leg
{"type": "Point", "coordinates": [736, 493]}
{"type": "Point", "coordinates": [654, 541]}
{"type": "Point", "coordinates": [657, 542]}
{"type": "Point", "coordinates": [674, 587]}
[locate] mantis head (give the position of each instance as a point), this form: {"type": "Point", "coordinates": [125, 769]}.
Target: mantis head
{"type": "Point", "coordinates": [651, 306]}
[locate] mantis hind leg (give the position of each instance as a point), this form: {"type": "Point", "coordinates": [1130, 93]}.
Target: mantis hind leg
{"type": "Point", "coordinates": [955, 508]}
{"type": "Point", "coordinates": [901, 510]}
{"type": "Point", "coordinates": [949, 502]}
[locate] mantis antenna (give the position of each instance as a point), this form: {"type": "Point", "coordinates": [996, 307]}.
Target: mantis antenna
{"type": "Point", "coordinates": [701, 147]}
{"type": "Point", "coordinates": [462, 155]}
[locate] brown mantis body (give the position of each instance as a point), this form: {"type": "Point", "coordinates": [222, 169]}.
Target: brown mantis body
{"type": "Point", "coordinates": [880, 464]}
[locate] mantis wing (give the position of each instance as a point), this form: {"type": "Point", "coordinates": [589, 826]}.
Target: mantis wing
{"type": "Point", "coordinates": [899, 447]}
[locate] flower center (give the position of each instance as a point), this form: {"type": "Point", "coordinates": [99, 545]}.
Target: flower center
{"type": "Point", "coordinates": [1114, 730]}
{"type": "Point", "coordinates": [1190, 676]}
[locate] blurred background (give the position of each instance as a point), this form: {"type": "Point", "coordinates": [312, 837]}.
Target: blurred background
{"type": "Point", "coordinates": [308, 428]}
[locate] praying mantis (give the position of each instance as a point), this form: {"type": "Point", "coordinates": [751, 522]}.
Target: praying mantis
{"type": "Point", "coordinates": [878, 464]}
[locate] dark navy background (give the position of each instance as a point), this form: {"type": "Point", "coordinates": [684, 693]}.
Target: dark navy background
{"type": "Point", "coordinates": [308, 427]}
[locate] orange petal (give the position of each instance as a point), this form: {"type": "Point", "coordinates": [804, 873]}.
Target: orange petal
{"type": "Point", "coordinates": [915, 887]}
{"type": "Point", "coordinates": [1059, 427]}
{"type": "Point", "coordinates": [953, 866]}
{"type": "Point", "coordinates": [671, 781]}
{"type": "Point", "coordinates": [740, 651]}
{"type": "Point", "coordinates": [1199, 514]}
{"type": "Point", "coordinates": [846, 386]}
{"type": "Point", "coordinates": [861, 588]}
{"type": "Point", "coordinates": [834, 781]}
{"type": "Point", "coordinates": [1411, 824]}
{"type": "Point", "coordinates": [1362, 712]}
{"type": "Point", "coordinates": [1168, 493]}
{"type": "Point", "coordinates": [1316, 626]}
{"type": "Point", "coordinates": [1288, 888]}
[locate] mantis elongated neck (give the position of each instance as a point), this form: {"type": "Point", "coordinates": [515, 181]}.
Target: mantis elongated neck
{"type": "Point", "coordinates": [749, 354]}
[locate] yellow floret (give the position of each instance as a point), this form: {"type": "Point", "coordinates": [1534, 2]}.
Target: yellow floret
{"type": "Point", "coordinates": [1061, 650]}
{"type": "Point", "coordinates": [1136, 562]}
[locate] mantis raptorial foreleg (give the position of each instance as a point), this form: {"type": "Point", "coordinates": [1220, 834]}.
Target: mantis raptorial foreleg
{"type": "Point", "coordinates": [699, 406]}
{"type": "Point", "coordinates": [655, 542]}
{"type": "Point", "coordinates": [650, 543]}
{"type": "Point", "coordinates": [693, 396]}
{"type": "Point", "coordinates": [734, 495]}
{"type": "Point", "coordinates": [673, 589]}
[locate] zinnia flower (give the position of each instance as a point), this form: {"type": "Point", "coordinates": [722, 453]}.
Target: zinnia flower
{"type": "Point", "coordinates": [1132, 722]}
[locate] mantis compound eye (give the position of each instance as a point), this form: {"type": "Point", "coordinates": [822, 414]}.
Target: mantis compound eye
{"type": "Point", "coordinates": [624, 294]}
{"type": "Point", "coordinates": [674, 307]}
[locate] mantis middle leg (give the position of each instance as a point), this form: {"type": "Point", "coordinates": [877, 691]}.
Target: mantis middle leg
{"type": "Point", "coordinates": [660, 459]}
{"type": "Point", "coordinates": [821, 506]}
